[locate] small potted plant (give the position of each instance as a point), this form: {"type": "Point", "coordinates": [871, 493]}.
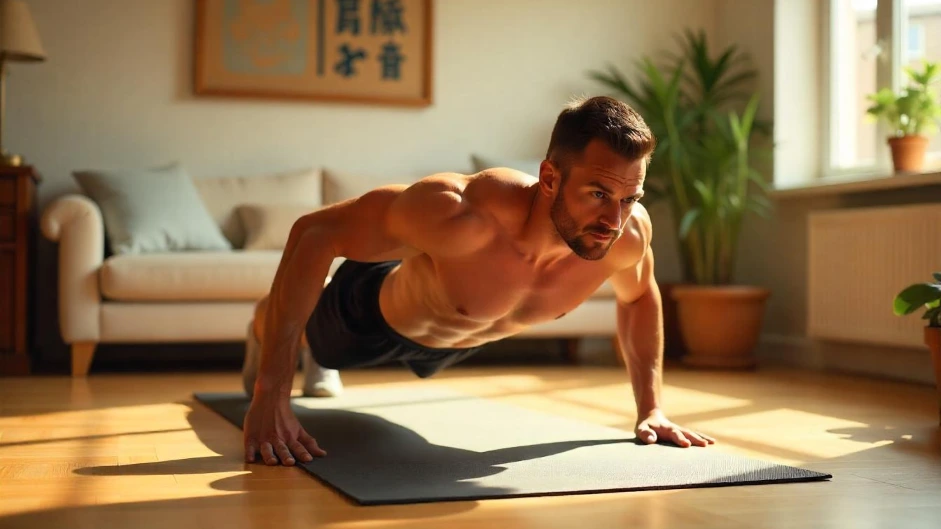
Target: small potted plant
{"type": "Point", "coordinates": [927, 296]}
{"type": "Point", "coordinates": [911, 116]}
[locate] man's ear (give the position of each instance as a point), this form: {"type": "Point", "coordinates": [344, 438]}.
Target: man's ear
{"type": "Point", "coordinates": [550, 178]}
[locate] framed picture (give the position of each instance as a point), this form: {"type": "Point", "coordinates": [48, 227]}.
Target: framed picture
{"type": "Point", "coordinates": [369, 51]}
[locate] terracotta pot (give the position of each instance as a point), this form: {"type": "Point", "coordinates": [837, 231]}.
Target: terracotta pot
{"type": "Point", "coordinates": [720, 324]}
{"type": "Point", "coordinates": [908, 152]}
{"type": "Point", "coordinates": [933, 341]}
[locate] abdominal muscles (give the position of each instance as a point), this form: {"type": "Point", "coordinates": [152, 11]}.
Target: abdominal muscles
{"type": "Point", "coordinates": [454, 304]}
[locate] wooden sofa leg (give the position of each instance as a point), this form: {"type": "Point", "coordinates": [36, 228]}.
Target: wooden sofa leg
{"type": "Point", "coordinates": [82, 354]}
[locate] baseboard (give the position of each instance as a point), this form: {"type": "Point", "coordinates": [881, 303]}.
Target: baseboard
{"type": "Point", "coordinates": [894, 363]}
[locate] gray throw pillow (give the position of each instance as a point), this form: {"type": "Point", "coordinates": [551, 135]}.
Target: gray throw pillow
{"type": "Point", "coordinates": [152, 210]}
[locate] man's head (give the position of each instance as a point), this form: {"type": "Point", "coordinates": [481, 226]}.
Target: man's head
{"type": "Point", "coordinates": [595, 166]}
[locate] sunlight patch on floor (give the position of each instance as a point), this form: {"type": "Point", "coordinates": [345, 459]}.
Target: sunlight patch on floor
{"type": "Point", "coordinates": [805, 433]}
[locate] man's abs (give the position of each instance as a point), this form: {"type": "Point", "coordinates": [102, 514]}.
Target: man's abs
{"type": "Point", "coordinates": [472, 302]}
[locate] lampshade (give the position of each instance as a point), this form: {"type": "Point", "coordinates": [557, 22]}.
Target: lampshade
{"type": "Point", "coordinates": [19, 40]}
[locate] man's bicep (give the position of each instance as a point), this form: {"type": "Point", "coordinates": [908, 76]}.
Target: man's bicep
{"type": "Point", "coordinates": [630, 283]}
{"type": "Point", "coordinates": [634, 281]}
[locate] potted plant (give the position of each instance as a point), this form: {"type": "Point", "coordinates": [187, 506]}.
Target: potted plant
{"type": "Point", "coordinates": [911, 116]}
{"type": "Point", "coordinates": [704, 118]}
{"type": "Point", "coordinates": [927, 296]}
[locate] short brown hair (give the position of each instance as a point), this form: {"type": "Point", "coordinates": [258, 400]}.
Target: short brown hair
{"type": "Point", "coordinates": [604, 118]}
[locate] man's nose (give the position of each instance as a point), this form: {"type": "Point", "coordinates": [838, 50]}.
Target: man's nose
{"type": "Point", "coordinates": [611, 218]}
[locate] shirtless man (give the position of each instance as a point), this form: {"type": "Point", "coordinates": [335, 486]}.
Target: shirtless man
{"type": "Point", "coordinates": [436, 269]}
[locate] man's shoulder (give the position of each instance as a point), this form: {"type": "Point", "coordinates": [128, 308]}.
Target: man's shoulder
{"type": "Point", "coordinates": [634, 244]}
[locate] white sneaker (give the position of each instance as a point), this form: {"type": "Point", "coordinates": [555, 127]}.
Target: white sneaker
{"type": "Point", "coordinates": [252, 360]}
{"type": "Point", "coordinates": [319, 381]}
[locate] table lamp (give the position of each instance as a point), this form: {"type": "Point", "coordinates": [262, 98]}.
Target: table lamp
{"type": "Point", "coordinates": [19, 41]}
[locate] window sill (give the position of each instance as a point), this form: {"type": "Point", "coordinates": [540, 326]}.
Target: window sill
{"type": "Point", "coordinates": [844, 186]}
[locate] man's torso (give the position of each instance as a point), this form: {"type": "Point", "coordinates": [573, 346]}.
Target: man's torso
{"type": "Point", "coordinates": [495, 290]}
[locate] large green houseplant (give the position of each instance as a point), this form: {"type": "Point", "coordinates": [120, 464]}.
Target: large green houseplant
{"type": "Point", "coordinates": [911, 116]}
{"type": "Point", "coordinates": [703, 113]}
{"type": "Point", "coordinates": [925, 296]}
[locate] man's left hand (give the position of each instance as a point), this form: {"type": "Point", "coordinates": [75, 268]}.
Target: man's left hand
{"type": "Point", "coordinates": [655, 426]}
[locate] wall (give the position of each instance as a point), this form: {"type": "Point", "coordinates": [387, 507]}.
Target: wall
{"type": "Point", "coordinates": [115, 92]}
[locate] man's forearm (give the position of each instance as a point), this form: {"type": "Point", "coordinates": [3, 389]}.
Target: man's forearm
{"type": "Point", "coordinates": [640, 333]}
{"type": "Point", "coordinates": [295, 291]}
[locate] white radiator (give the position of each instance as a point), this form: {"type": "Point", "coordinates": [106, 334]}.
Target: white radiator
{"type": "Point", "coordinates": [859, 260]}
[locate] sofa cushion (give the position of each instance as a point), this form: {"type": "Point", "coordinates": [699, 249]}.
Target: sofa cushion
{"type": "Point", "coordinates": [529, 166]}
{"type": "Point", "coordinates": [224, 194]}
{"type": "Point", "coordinates": [203, 276]}
{"type": "Point", "coordinates": [268, 226]}
{"type": "Point", "coordinates": [151, 210]}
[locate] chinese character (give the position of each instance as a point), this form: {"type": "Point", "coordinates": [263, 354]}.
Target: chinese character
{"type": "Point", "coordinates": [387, 14]}
{"type": "Point", "coordinates": [348, 16]}
{"type": "Point", "coordinates": [390, 59]}
{"type": "Point", "coordinates": [344, 66]}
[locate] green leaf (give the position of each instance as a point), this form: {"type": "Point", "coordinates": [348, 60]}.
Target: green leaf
{"type": "Point", "coordinates": [688, 220]}
{"type": "Point", "coordinates": [937, 276]}
{"type": "Point", "coordinates": [914, 297]}
{"type": "Point", "coordinates": [934, 315]}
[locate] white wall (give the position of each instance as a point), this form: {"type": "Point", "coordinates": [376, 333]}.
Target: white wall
{"type": "Point", "coordinates": [116, 92]}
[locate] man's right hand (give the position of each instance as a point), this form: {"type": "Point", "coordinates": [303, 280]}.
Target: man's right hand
{"type": "Point", "coordinates": [272, 430]}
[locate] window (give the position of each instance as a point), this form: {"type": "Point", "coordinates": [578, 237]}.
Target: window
{"type": "Point", "coordinates": [870, 44]}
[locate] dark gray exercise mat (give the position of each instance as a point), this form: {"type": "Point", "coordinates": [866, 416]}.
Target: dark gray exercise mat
{"type": "Point", "coordinates": [388, 446]}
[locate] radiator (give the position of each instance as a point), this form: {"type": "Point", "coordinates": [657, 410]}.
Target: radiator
{"type": "Point", "coordinates": [859, 260]}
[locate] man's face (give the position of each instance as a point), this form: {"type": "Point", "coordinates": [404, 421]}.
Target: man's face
{"type": "Point", "coordinates": [591, 207]}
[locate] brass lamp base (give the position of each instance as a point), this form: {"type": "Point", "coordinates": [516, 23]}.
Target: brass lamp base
{"type": "Point", "coordinates": [11, 160]}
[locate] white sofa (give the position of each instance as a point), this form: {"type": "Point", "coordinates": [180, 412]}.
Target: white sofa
{"type": "Point", "coordinates": [196, 296]}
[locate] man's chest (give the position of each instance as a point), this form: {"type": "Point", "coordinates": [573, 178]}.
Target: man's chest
{"type": "Point", "coordinates": [500, 287]}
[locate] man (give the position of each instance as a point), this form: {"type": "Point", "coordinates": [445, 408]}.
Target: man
{"type": "Point", "coordinates": [436, 269]}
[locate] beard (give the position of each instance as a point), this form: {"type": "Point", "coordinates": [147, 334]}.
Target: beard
{"type": "Point", "coordinates": [578, 239]}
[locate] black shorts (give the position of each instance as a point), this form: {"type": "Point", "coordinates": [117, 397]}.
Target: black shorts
{"type": "Point", "coordinates": [347, 328]}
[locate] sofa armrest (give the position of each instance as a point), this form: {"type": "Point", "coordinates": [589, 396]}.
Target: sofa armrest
{"type": "Point", "coordinates": [75, 222]}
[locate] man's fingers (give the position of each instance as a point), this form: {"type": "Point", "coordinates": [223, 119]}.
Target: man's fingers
{"type": "Point", "coordinates": [267, 454]}
{"type": "Point", "coordinates": [696, 438]}
{"type": "Point", "coordinates": [647, 435]}
{"type": "Point", "coordinates": [250, 449]}
{"type": "Point", "coordinates": [286, 457]}
{"type": "Point", "coordinates": [300, 452]}
{"type": "Point", "coordinates": [311, 444]}
{"type": "Point", "coordinates": [679, 438]}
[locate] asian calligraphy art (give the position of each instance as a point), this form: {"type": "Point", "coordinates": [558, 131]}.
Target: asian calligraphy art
{"type": "Point", "coordinates": [371, 51]}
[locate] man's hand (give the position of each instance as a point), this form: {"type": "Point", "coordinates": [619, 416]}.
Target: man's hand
{"type": "Point", "coordinates": [656, 426]}
{"type": "Point", "coordinates": [272, 429]}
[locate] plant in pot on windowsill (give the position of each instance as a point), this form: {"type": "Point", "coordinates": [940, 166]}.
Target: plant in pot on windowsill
{"type": "Point", "coordinates": [927, 296]}
{"type": "Point", "coordinates": [910, 115]}
{"type": "Point", "coordinates": [704, 120]}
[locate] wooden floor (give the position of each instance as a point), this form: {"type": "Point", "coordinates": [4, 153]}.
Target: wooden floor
{"type": "Point", "coordinates": [136, 451]}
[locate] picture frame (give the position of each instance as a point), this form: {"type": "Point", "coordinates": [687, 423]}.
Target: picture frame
{"type": "Point", "coordinates": [354, 51]}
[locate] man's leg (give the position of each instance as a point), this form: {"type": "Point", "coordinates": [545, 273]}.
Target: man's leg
{"type": "Point", "coordinates": [318, 381]}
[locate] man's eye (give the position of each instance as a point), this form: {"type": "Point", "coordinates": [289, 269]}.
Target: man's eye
{"type": "Point", "coordinates": [598, 194]}
{"type": "Point", "coordinates": [629, 200]}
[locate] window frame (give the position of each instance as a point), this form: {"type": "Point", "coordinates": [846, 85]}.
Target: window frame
{"type": "Point", "coordinates": [891, 27]}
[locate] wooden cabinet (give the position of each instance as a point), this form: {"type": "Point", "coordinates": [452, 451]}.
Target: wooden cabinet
{"type": "Point", "coordinates": [17, 266]}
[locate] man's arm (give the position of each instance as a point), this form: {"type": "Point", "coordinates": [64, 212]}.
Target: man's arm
{"type": "Point", "coordinates": [640, 326]}
{"type": "Point", "coordinates": [390, 222]}
{"type": "Point", "coordinates": [640, 336]}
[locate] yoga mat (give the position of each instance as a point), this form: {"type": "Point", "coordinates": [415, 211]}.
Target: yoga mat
{"type": "Point", "coordinates": [408, 445]}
